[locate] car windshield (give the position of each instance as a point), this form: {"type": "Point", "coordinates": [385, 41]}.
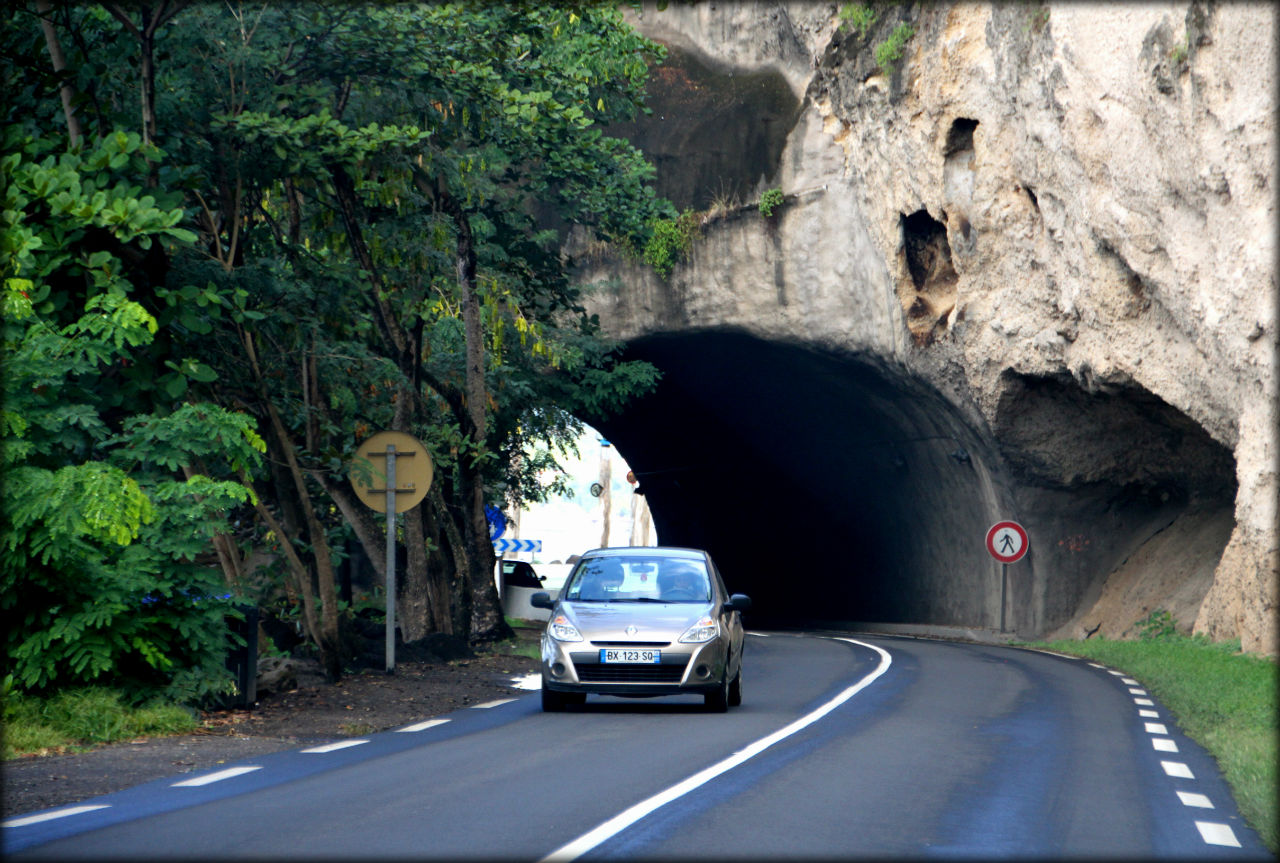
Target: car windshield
{"type": "Point", "coordinates": [639, 579]}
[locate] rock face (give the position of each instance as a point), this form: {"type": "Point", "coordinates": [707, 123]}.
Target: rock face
{"type": "Point", "coordinates": [1059, 218]}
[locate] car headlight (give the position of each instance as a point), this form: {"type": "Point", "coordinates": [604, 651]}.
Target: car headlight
{"type": "Point", "coordinates": [562, 630]}
{"type": "Point", "coordinates": [704, 630]}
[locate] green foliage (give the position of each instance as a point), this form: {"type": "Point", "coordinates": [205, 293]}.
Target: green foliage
{"type": "Point", "coordinates": [859, 16]}
{"type": "Point", "coordinates": [770, 201]}
{"type": "Point", "coordinates": [1158, 624]}
{"type": "Point", "coordinates": [1223, 699]}
{"type": "Point", "coordinates": [889, 52]}
{"type": "Point", "coordinates": [320, 152]}
{"type": "Point", "coordinates": [85, 716]}
{"type": "Point", "coordinates": [670, 241]}
{"type": "Point", "coordinates": [98, 579]}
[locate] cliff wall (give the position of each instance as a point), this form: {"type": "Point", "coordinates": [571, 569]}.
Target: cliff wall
{"type": "Point", "coordinates": [1058, 217]}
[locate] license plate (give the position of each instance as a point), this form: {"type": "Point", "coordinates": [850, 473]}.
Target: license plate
{"type": "Point", "coordinates": [617, 654]}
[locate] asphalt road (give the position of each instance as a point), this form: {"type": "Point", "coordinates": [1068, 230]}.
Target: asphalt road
{"type": "Point", "coordinates": [843, 747]}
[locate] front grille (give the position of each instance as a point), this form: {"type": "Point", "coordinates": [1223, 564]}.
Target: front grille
{"type": "Point", "coordinates": [597, 673]}
{"type": "Point", "coordinates": [631, 643]}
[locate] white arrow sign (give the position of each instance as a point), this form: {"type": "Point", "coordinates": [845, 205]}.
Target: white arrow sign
{"type": "Point", "coordinates": [517, 545]}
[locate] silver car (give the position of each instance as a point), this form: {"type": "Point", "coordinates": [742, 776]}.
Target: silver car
{"type": "Point", "coordinates": [640, 622]}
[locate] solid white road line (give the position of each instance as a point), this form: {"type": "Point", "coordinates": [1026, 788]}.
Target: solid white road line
{"type": "Point", "coordinates": [1190, 798]}
{"type": "Point", "coordinates": [333, 747]}
{"type": "Point", "coordinates": [1217, 834]}
{"type": "Point", "coordinates": [214, 777]}
{"type": "Point", "coordinates": [1177, 769]}
{"type": "Point", "coordinates": [489, 704]}
{"type": "Point", "coordinates": [422, 726]}
{"type": "Point", "coordinates": [49, 816]}
{"type": "Point", "coordinates": [626, 818]}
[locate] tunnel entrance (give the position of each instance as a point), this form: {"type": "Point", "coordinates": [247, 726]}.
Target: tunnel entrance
{"type": "Point", "coordinates": [825, 486]}
{"type": "Point", "coordinates": [838, 488]}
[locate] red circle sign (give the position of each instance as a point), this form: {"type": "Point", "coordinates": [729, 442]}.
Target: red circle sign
{"type": "Point", "coordinates": [1007, 541]}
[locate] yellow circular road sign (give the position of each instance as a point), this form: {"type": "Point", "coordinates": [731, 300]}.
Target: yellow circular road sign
{"type": "Point", "coordinates": [414, 470]}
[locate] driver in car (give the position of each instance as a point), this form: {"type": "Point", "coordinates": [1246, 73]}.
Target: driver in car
{"type": "Point", "coordinates": [682, 584]}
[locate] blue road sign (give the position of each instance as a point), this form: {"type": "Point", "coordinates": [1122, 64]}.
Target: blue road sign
{"type": "Point", "coordinates": [517, 545]}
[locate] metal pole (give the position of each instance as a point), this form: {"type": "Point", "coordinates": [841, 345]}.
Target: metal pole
{"type": "Point", "coordinates": [1004, 588]}
{"type": "Point", "coordinates": [391, 558]}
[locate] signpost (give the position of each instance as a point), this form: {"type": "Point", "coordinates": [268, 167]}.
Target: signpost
{"type": "Point", "coordinates": [400, 487]}
{"type": "Point", "coordinates": [1007, 542]}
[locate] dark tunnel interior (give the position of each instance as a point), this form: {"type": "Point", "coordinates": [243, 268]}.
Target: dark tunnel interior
{"type": "Point", "coordinates": [826, 487]}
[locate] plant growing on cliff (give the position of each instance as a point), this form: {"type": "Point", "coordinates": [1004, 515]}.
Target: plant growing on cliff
{"type": "Point", "coordinates": [859, 16]}
{"type": "Point", "coordinates": [670, 241]}
{"type": "Point", "coordinates": [769, 201]}
{"type": "Point", "coordinates": [889, 52]}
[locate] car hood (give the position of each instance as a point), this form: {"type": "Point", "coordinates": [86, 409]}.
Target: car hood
{"type": "Point", "coordinates": [653, 621]}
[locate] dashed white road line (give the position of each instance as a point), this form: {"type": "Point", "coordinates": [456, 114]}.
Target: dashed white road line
{"type": "Point", "coordinates": [1217, 834]}
{"type": "Point", "coordinates": [214, 777]}
{"type": "Point", "coordinates": [421, 726]}
{"type": "Point", "coordinates": [1213, 833]}
{"type": "Point", "coordinates": [627, 817]}
{"type": "Point", "coordinates": [333, 747]}
{"type": "Point", "coordinates": [1190, 798]}
{"type": "Point", "coordinates": [489, 704]}
{"type": "Point", "coordinates": [50, 816]}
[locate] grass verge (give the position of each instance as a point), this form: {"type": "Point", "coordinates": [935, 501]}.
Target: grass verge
{"type": "Point", "coordinates": [1221, 698]}
{"type": "Point", "coordinates": [78, 719]}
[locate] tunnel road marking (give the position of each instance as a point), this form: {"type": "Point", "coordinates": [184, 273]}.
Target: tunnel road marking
{"type": "Point", "coordinates": [627, 817]}
{"type": "Point", "coordinates": [49, 816]}
{"type": "Point", "coordinates": [229, 773]}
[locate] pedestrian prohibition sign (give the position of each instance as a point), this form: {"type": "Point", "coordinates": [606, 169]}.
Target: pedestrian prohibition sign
{"type": "Point", "coordinates": [1007, 541]}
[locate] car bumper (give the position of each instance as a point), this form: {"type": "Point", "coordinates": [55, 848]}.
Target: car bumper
{"type": "Point", "coordinates": [685, 668]}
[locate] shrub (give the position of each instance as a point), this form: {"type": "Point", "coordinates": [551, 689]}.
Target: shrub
{"type": "Point", "coordinates": [670, 241]}
{"type": "Point", "coordinates": [770, 201]}
{"type": "Point", "coordinates": [858, 16]}
{"type": "Point", "coordinates": [889, 52]}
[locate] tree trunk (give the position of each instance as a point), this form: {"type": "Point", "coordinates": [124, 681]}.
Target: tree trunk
{"type": "Point", "coordinates": [487, 622]}
{"type": "Point", "coordinates": [415, 612]}
{"type": "Point", "coordinates": [44, 8]}
{"type": "Point", "coordinates": [460, 583]}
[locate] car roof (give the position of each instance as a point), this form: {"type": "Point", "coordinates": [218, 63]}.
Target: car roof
{"type": "Point", "coordinates": [646, 551]}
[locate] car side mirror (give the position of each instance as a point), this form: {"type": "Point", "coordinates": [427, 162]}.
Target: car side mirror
{"type": "Point", "coordinates": [541, 599]}
{"type": "Point", "coordinates": [738, 602]}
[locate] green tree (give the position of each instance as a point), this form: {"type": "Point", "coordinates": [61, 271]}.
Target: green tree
{"type": "Point", "coordinates": [378, 194]}
{"type": "Point", "coordinates": [99, 574]}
